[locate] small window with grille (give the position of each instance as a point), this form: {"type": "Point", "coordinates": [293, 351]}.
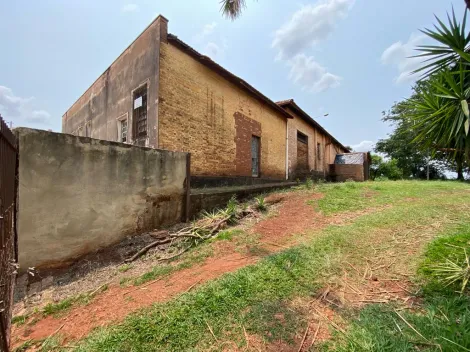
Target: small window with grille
{"type": "Point", "coordinates": [123, 129]}
{"type": "Point", "coordinates": [139, 115]}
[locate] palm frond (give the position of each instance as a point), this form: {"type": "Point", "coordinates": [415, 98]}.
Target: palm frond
{"type": "Point", "coordinates": [455, 45]}
{"type": "Point", "coordinates": [232, 9]}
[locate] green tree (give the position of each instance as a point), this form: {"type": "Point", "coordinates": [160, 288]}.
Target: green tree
{"type": "Point", "coordinates": [385, 169]}
{"type": "Point", "coordinates": [439, 110]}
{"type": "Point", "coordinates": [400, 145]}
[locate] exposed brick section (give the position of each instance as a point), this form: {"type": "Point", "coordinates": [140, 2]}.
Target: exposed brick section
{"type": "Point", "coordinates": [196, 114]}
{"type": "Point", "coordinates": [245, 128]}
{"type": "Point", "coordinates": [343, 172]}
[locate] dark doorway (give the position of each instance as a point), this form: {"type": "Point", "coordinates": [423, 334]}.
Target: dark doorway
{"type": "Point", "coordinates": [302, 154]}
{"type": "Point", "coordinates": [255, 148]}
{"type": "Point", "coordinates": [139, 115]}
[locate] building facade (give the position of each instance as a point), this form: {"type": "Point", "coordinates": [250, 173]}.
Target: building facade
{"type": "Point", "coordinates": [311, 149]}
{"type": "Point", "coordinates": [161, 93]}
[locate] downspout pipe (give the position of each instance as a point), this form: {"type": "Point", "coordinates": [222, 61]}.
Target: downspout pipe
{"type": "Point", "coordinates": [287, 149]}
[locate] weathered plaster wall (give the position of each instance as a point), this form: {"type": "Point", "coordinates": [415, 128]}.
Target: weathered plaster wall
{"type": "Point", "coordinates": [110, 96]}
{"type": "Point", "coordinates": [203, 113]}
{"type": "Point", "coordinates": [79, 194]}
{"type": "Point", "coordinates": [328, 148]}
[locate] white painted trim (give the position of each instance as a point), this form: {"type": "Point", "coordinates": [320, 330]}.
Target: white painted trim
{"type": "Point", "coordinates": [118, 125]}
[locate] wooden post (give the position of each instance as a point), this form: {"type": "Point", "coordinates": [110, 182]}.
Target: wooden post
{"type": "Point", "coordinates": [188, 188]}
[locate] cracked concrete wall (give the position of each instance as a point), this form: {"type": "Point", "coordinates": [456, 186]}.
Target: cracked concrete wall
{"type": "Point", "coordinates": [78, 194]}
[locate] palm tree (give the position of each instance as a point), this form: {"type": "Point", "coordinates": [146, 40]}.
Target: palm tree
{"type": "Point", "coordinates": [233, 8]}
{"type": "Point", "coordinates": [440, 111]}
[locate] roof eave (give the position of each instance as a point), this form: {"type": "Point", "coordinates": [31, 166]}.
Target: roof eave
{"type": "Point", "coordinates": [306, 117]}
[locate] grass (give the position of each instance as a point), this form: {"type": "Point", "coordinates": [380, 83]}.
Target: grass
{"type": "Point", "coordinates": [61, 307]}
{"type": "Point", "coordinates": [254, 296]}
{"type": "Point", "coordinates": [447, 247]}
{"type": "Point", "coordinates": [258, 298]}
{"type": "Point", "coordinates": [441, 324]}
{"type": "Point", "coordinates": [19, 320]}
{"type": "Point", "coordinates": [194, 256]}
{"type": "Point", "coordinates": [351, 196]}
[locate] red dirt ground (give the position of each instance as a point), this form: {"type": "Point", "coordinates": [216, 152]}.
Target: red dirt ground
{"type": "Point", "coordinates": [112, 306]}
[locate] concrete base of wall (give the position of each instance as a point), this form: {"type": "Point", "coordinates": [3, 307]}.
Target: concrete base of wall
{"type": "Point", "coordinates": [312, 174]}
{"type": "Point", "coordinates": [227, 181]}
{"type": "Point", "coordinates": [212, 198]}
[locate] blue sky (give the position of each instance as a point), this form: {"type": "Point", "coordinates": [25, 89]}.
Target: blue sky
{"type": "Point", "coordinates": [342, 57]}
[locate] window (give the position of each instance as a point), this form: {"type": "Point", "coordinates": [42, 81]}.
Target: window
{"type": "Point", "coordinates": [122, 129]}
{"type": "Point", "coordinates": [302, 137]}
{"type": "Point", "coordinates": [139, 116]}
{"type": "Point", "coordinates": [318, 151]}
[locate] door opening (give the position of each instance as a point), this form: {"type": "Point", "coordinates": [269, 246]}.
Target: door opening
{"type": "Point", "coordinates": [255, 149]}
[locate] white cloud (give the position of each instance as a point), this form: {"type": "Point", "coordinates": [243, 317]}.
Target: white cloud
{"type": "Point", "coordinates": [364, 146]}
{"type": "Point", "coordinates": [209, 28]}
{"type": "Point", "coordinates": [21, 110]}
{"type": "Point", "coordinates": [213, 50]}
{"type": "Point", "coordinates": [399, 55]}
{"type": "Point", "coordinates": [308, 26]}
{"type": "Point", "coordinates": [39, 116]}
{"type": "Point", "coordinates": [310, 75]}
{"type": "Point", "coordinates": [130, 8]}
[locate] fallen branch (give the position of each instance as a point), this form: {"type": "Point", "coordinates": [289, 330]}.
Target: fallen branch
{"type": "Point", "coordinates": [303, 340]}
{"type": "Point", "coordinates": [176, 255]}
{"type": "Point", "coordinates": [146, 249]}
{"type": "Point", "coordinates": [316, 333]}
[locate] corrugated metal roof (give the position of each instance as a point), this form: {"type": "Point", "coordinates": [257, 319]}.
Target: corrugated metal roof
{"type": "Point", "coordinates": [350, 158]}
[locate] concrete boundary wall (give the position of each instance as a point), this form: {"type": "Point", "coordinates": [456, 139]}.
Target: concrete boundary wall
{"type": "Point", "coordinates": [79, 195]}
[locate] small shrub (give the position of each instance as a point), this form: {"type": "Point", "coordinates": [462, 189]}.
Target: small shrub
{"type": "Point", "coordinates": [452, 272]}
{"type": "Point", "coordinates": [446, 258]}
{"type": "Point", "coordinates": [232, 205]}
{"type": "Point", "coordinates": [308, 183]}
{"type": "Point", "coordinates": [260, 203]}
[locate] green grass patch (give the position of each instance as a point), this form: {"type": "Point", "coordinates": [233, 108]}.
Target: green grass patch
{"type": "Point", "coordinates": [228, 235]}
{"type": "Point", "coordinates": [61, 307]}
{"type": "Point", "coordinates": [447, 247]}
{"type": "Point", "coordinates": [350, 196]}
{"type": "Point", "coordinates": [256, 296]}
{"type": "Point", "coordinates": [19, 320]}
{"type": "Point", "coordinates": [443, 324]}
{"type": "Point", "coordinates": [125, 267]}
{"type": "Point", "coordinates": [155, 273]}
{"type": "Point", "coordinates": [194, 256]}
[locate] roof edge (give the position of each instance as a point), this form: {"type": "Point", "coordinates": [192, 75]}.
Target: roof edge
{"type": "Point", "coordinates": [208, 62]}
{"type": "Point", "coordinates": [309, 119]}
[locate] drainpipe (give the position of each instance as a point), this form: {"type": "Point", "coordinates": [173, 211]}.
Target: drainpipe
{"type": "Point", "coordinates": [287, 149]}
